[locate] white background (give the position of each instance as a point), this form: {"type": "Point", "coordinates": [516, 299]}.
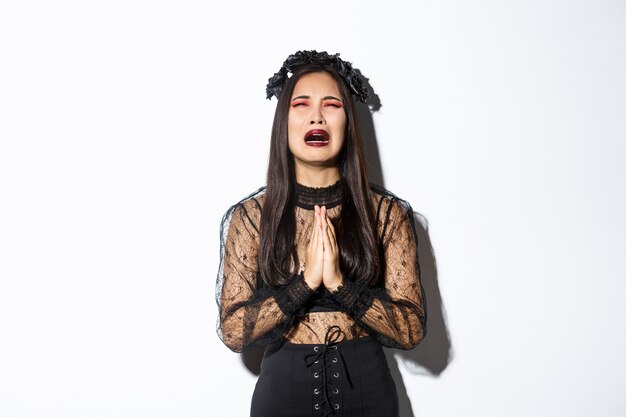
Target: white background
{"type": "Point", "coordinates": [128, 127]}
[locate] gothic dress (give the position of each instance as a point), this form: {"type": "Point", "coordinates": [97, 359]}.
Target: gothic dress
{"type": "Point", "coordinates": [324, 350]}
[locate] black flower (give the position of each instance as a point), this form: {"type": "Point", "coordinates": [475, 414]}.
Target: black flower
{"type": "Point", "coordinates": [323, 59]}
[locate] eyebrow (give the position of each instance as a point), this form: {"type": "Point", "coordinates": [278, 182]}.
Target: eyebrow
{"type": "Point", "coordinates": [323, 98]}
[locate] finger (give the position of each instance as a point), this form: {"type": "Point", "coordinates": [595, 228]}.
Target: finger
{"type": "Point", "coordinates": [330, 230]}
{"type": "Point", "coordinates": [313, 235]}
{"type": "Point", "coordinates": [331, 234]}
{"type": "Point", "coordinates": [318, 218]}
{"type": "Point", "coordinates": [329, 224]}
{"type": "Point", "coordinates": [320, 225]}
{"type": "Point", "coordinates": [316, 214]}
{"type": "Point", "coordinates": [316, 231]}
{"type": "Point", "coordinates": [320, 236]}
{"type": "Point", "coordinates": [326, 238]}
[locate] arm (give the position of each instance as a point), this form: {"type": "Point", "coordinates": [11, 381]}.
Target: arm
{"type": "Point", "coordinates": [396, 312]}
{"type": "Point", "coordinates": [248, 314]}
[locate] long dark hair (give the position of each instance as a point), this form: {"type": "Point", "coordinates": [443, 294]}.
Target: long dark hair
{"type": "Point", "coordinates": [356, 229]}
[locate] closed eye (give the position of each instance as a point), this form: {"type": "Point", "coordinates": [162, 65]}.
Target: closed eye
{"type": "Point", "coordinates": [336, 104]}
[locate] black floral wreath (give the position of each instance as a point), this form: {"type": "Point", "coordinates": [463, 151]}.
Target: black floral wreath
{"type": "Point", "coordinates": [343, 68]}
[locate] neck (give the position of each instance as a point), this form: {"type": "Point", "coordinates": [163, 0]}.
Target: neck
{"type": "Point", "coordinates": [312, 176]}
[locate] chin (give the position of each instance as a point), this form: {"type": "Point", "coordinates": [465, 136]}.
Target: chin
{"type": "Point", "coordinates": [319, 162]}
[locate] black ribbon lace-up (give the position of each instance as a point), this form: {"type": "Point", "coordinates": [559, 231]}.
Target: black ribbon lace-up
{"type": "Point", "coordinates": [323, 353]}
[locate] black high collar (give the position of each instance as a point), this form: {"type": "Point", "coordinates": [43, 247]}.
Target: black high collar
{"type": "Point", "coordinates": [308, 197]}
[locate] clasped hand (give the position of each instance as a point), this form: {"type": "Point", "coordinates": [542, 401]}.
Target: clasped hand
{"type": "Point", "coordinates": [322, 255]}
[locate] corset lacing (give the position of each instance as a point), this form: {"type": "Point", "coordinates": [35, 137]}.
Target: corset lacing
{"type": "Point", "coordinates": [329, 354]}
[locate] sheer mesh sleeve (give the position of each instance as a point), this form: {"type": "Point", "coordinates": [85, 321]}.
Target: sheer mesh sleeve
{"type": "Point", "coordinates": [394, 312]}
{"type": "Point", "coordinates": [250, 313]}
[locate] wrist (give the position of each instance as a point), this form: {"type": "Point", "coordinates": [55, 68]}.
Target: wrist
{"type": "Point", "coordinates": [313, 286]}
{"type": "Point", "coordinates": [353, 298]}
{"type": "Point", "coordinates": [336, 283]}
{"type": "Point", "coordinates": [292, 297]}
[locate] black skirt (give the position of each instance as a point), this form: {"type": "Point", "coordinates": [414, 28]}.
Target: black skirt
{"type": "Point", "coordinates": [347, 379]}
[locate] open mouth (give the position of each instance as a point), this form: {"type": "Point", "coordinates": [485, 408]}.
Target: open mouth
{"type": "Point", "coordinates": [316, 137]}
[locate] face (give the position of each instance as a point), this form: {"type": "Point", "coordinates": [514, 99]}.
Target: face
{"type": "Point", "coordinates": [317, 121]}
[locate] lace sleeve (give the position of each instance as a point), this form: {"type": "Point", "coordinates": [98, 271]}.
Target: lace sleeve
{"type": "Point", "coordinates": [250, 313]}
{"type": "Point", "coordinates": [394, 312]}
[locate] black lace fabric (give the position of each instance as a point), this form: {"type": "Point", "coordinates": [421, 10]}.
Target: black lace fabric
{"type": "Point", "coordinates": [253, 314]}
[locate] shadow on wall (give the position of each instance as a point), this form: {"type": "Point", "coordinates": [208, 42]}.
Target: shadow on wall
{"type": "Point", "coordinates": [434, 353]}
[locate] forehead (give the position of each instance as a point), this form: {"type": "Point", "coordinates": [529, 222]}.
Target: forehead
{"type": "Point", "coordinates": [316, 84]}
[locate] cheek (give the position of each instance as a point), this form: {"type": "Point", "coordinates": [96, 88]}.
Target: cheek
{"type": "Point", "coordinates": [294, 123]}
{"type": "Point", "coordinates": [340, 142]}
{"type": "Point", "coordinates": [340, 126]}
{"type": "Point", "coordinates": [291, 129]}
{"type": "Point", "coordinates": [291, 141]}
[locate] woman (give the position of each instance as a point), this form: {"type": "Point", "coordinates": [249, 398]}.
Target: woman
{"type": "Point", "coordinates": [318, 265]}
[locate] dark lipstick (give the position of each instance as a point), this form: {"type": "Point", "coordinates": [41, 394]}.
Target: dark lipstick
{"type": "Point", "coordinates": [316, 137]}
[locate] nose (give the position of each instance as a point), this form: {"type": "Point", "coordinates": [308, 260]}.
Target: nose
{"type": "Point", "coordinates": [317, 117]}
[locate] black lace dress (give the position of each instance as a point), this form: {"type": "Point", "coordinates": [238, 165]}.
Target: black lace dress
{"type": "Point", "coordinates": [318, 341]}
